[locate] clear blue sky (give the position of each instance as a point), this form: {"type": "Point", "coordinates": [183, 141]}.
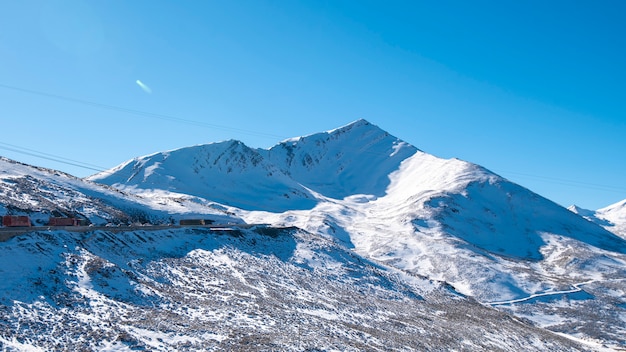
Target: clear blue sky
{"type": "Point", "coordinates": [532, 90]}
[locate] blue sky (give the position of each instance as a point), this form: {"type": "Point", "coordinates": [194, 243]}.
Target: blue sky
{"type": "Point", "coordinates": [532, 90]}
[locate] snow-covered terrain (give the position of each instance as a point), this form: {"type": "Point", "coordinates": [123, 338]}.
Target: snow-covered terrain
{"type": "Point", "coordinates": [41, 193]}
{"type": "Point", "coordinates": [616, 215]}
{"type": "Point", "coordinates": [384, 203]}
{"type": "Point", "coordinates": [612, 218]}
{"type": "Point", "coordinates": [354, 159]}
{"type": "Point", "coordinates": [250, 290]}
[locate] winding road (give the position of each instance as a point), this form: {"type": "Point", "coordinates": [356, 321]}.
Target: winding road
{"type": "Point", "coordinates": [575, 288]}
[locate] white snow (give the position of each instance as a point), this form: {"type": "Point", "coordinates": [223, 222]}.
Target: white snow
{"type": "Point", "coordinates": [616, 215]}
{"type": "Point", "coordinates": [612, 217]}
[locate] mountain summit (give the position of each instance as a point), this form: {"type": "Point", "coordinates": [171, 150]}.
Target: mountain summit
{"type": "Point", "coordinates": [353, 159]}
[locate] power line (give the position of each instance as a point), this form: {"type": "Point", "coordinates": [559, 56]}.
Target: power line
{"type": "Point", "coordinates": [141, 113]}
{"type": "Point", "coordinates": [565, 182]}
{"type": "Point", "coordinates": [51, 157]}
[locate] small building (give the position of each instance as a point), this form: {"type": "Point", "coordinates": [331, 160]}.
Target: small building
{"type": "Point", "coordinates": [196, 222]}
{"type": "Point", "coordinates": [16, 221]}
{"type": "Point", "coordinates": [64, 222]}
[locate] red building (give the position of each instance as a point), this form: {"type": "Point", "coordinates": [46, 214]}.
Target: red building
{"type": "Point", "coordinates": [64, 222]}
{"type": "Point", "coordinates": [15, 220]}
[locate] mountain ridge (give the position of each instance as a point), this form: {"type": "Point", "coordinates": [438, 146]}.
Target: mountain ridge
{"type": "Point", "coordinates": [345, 163]}
{"type": "Point", "coordinates": [288, 165]}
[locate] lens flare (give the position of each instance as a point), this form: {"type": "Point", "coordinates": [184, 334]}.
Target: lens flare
{"type": "Point", "coordinates": [144, 87]}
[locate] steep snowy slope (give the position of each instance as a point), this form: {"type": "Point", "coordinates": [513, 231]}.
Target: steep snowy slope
{"type": "Point", "coordinates": [616, 215]}
{"type": "Point", "coordinates": [476, 217]}
{"type": "Point", "coordinates": [254, 290]}
{"type": "Point", "coordinates": [491, 239]}
{"type": "Point", "coordinates": [227, 172]}
{"type": "Point", "coordinates": [42, 193]}
{"type": "Point", "coordinates": [354, 159]}
{"type": "Point", "coordinates": [612, 218]}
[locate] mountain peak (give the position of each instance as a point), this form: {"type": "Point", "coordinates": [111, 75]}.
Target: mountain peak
{"type": "Point", "coordinates": [353, 125]}
{"type": "Point", "coordinates": [578, 210]}
{"type": "Point", "coordinates": [353, 159]}
{"type": "Point", "coordinates": [357, 126]}
{"type": "Point", "coordinates": [357, 129]}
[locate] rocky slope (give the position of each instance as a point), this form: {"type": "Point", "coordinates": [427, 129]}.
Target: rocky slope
{"type": "Point", "coordinates": [248, 290]}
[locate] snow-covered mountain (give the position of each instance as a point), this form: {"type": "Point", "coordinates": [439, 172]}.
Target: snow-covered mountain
{"type": "Point", "coordinates": [361, 167]}
{"type": "Point", "coordinates": [612, 217]}
{"type": "Point", "coordinates": [291, 175]}
{"type": "Point", "coordinates": [449, 220]}
{"type": "Point", "coordinates": [375, 198]}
